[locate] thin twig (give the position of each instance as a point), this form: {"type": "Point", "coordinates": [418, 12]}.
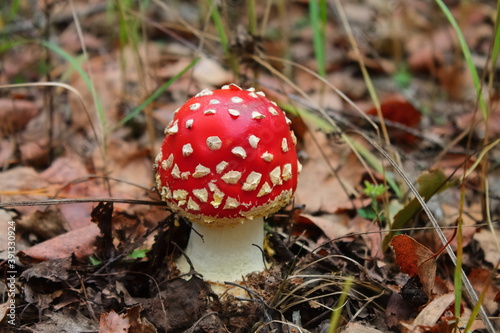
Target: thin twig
{"type": "Point", "coordinates": [50, 202]}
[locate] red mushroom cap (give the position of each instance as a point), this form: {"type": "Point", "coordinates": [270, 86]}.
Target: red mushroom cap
{"type": "Point", "coordinates": [228, 156]}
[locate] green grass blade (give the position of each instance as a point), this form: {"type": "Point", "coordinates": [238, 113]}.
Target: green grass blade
{"type": "Point", "coordinates": [335, 318]}
{"type": "Point", "coordinates": [76, 65]}
{"type": "Point", "coordinates": [220, 27]}
{"type": "Point", "coordinates": [457, 277]}
{"type": "Point", "coordinates": [467, 56]}
{"type": "Point", "coordinates": [496, 45]}
{"type": "Point", "coordinates": [155, 95]}
{"type": "Point", "coordinates": [476, 309]}
{"type": "Point", "coordinates": [252, 18]}
{"type": "Point", "coordinates": [317, 14]}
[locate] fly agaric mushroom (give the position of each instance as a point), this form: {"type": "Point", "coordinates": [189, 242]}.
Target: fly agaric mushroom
{"type": "Point", "coordinates": [228, 160]}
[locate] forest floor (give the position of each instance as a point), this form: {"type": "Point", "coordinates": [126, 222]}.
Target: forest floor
{"type": "Point", "coordinates": [383, 103]}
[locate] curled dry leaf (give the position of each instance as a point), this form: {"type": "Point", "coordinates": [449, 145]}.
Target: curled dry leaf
{"type": "Point", "coordinates": [415, 259]}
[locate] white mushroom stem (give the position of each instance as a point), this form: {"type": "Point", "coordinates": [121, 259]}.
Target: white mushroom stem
{"type": "Point", "coordinates": [227, 253]}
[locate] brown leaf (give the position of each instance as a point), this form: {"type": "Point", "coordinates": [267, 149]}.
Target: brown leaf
{"type": "Point", "coordinates": [210, 73]}
{"type": "Point", "coordinates": [481, 279]}
{"type": "Point", "coordinates": [397, 310]}
{"type": "Point", "coordinates": [112, 322]}
{"type": "Point", "coordinates": [357, 327]}
{"type": "Point", "coordinates": [22, 183]}
{"type": "Point", "coordinates": [15, 114]}
{"type": "Point", "coordinates": [415, 259]}
{"type": "Point", "coordinates": [35, 154]}
{"type": "Point", "coordinates": [79, 241]}
{"type": "Point", "coordinates": [432, 312]}
{"type": "Point", "coordinates": [4, 310]}
{"type": "Point", "coordinates": [332, 225]}
{"type": "Point", "coordinates": [370, 232]}
{"type": "Point", "coordinates": [53, 270]}
{"type": "Point", "coordinates": [488, 242]}
{"type": "Point", "coordinates": [318, 189]}
{"type": "Point", "coordinates": [7, 151]}
{"type": "Point", "coordinates": [46, 223]}
{"type": "Point", "coordinates": [66, 320]}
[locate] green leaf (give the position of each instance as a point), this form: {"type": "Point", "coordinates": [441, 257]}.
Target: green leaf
{"type": "Point", "coordinates": [367, 213]}
{"type": "Point", "coordinates": [374, 190]}
{"type": "Point", "coordinates": [94, 261]}
{"type": "Point", "coordinates": [430, 183]}
{"type": "Point", "coordinates": [403, 77]}
{"type": "Point", "coordinates": [138, 254]}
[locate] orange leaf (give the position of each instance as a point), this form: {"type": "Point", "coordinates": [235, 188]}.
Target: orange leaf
{"type": "Point", "coordinates": [397, 109]}
{"type": "Point", "coordinates": [415, 259]}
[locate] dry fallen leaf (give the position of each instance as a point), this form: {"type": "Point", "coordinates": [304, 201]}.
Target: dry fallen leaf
{"type": "Point", "coordinates": [46, 222]}
{"type": "Point", "coordinates": [397, 109]}
{"type": "Point", "coordinates": [332, 225]}
{"type": "Point", "coordinates": [431, 314]}
{"type": "Point", "coordinates": [357, 327]}
{"type": "Point", "coordinates": [22, 183]}
{"type": "Point", "coordinates": [4, 309]}
{"type": "Point", "coordinates": [79, 241]}
{"type": "Point", "coordinates": [112, 322]}
{"type": "Point", "coordinates": [397, 310]}
{"type": "Point", "coordinates": [370, 232]}
{"type": "Point", "coordinates": [481, 279]}
{"type": "Point", "coordinates": [318, 189]}
{"type": "Point", "coordinates": [66, 320]}
{"type": "Point", "coordinates": [15, 115]}
{"type": "Point", "coordinates": [210, 73]}
{"type": "Point", "coordinates": [130, 321]}
{"type": "Point", "coordinates": [415, 259]}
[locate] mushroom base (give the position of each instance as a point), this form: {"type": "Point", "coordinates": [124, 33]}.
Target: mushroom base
{"type": "Point", "coordinates": [225, 254]}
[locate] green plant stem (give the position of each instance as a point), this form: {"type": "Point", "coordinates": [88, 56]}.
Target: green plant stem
{"type": "Point", "coordinates": [457, 278]}
{"type": "Point", "coordinates": [335, 318]}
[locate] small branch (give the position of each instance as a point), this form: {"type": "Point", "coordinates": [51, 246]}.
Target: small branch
{"type": "Point", "coordinates": [50, 202]}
